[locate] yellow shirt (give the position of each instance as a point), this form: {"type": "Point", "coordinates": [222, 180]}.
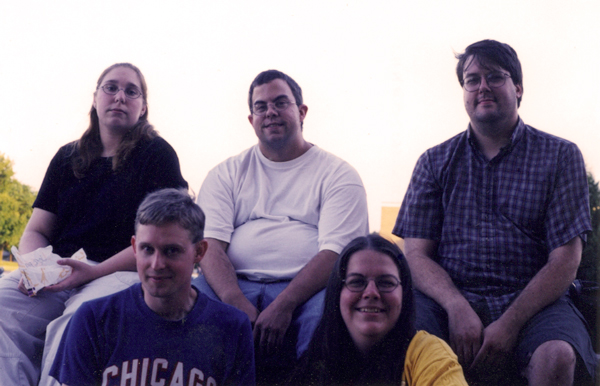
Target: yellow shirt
{"type": "Point", "coordinates": [431, 362]}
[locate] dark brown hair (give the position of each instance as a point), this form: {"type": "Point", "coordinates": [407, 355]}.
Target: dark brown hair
{"type": "Point", "coordinates": [332, 357]}
{"type": "Point", "coordinates": [490, 53]}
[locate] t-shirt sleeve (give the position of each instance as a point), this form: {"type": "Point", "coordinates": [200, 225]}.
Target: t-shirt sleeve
{"type": "Point", "coordinates": [568, 214]}
{"type": "Point", "coordinates": [77, 358]}
{"type": "Point", "coordinates": [162, 169]}
{"type": "Point", "coordinates": [216, 200]}
{"type": "Point", "coordinates": [47, 197]}
{"type": "Point", "coordinates": [343, 215]}
{"type": "Point", "coordinates": [421, 214]}
{"type": "Point", "coordinates": [431, 362]}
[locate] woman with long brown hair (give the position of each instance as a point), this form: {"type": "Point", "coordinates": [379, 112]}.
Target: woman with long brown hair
{"type": "Point", "coordinates": [367, 334]}
{"type": "Point", "coordinates": [88, 200]}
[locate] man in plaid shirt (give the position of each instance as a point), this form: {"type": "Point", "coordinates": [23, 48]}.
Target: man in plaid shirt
{"type": "Point", "coordinates": [494, 222]}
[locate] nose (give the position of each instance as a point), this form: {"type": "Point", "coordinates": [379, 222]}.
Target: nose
{"type": "Point", "coordinates": [120, 95]}
{"type": "Point", "coordinates": [271, 110]}
{"type": "Point", "coordinates": [371, 291]}
{"type": "Point", "coordinates": [483, 84]}
{"type": "Point", "coordinates": [157, 262]}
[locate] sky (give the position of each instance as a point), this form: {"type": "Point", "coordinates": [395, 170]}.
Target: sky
{"type": "Point", "coordinates": [378, 77]}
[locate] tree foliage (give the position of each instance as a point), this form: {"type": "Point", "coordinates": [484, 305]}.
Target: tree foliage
{"type": "Point", "coordinates": [588, 269]}
{"type": "Point", "coordinates": [15, 205]}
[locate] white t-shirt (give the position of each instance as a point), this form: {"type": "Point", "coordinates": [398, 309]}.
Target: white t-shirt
{"type": "Point", "coordinates": [276, 216]}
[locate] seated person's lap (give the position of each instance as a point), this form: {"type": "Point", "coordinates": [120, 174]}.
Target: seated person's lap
{"type": "Point", "coordinates": [559, 321]}
{"type": "Point", "coordinates": [305, 318]}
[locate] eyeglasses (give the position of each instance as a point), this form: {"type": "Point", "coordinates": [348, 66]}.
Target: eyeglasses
{"type": "Point", "coordinates": [384, 283]}
{"type": "Point", "coordinates": [131, 92]}
{"type": "Point", "coordinates": [493, 79]}
{"type": "Point", "coordinates": [261, 108]}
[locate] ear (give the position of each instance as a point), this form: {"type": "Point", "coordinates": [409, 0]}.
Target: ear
{"type": "Point", "coordinates": [519, 90]}
{"type": "Point", "coordinates": [251, 119]}
{"type": "Point", "coordinates": [94, 99]}
{"type": "Point", "coordinates": [302, 109]}
{"type": "Point", "coordinates": [143, 110]}
{"type": "Point", "coordinates": [201, 248]}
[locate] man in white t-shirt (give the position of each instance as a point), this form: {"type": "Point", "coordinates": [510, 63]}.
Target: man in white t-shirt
{"type": "Point", "coordinates": [278, 214]}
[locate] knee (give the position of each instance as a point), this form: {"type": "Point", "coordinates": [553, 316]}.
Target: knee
{"type": "Point", "coordinates": [555, 358]}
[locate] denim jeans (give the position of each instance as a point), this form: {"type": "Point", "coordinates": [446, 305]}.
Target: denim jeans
{"type": "Point", "coordinates": [304, 322]}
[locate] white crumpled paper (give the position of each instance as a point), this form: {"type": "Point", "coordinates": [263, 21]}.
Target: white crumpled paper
{"type": "Point", "coordinates": [39, 268]}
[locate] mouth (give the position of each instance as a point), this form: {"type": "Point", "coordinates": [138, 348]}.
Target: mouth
{"type": "Point", "coordinates": [370, 310]}
{"type": "Point", "coordinates": [118, 111]}
{"type": "Point", "coordinates": [485, 100]}
{"type": "Point", "coordinates": [272, 125]}
{"type": "Point", "coordinates": [158, 279]}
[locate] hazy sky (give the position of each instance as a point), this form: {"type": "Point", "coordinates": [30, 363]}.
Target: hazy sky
{"type": "Point", "coordinates": [378, 76]}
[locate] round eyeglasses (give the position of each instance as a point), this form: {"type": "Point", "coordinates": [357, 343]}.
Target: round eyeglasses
{"type": "Point", "coordinates": [493, 79]}
{"type": "Point", "coordinates": [384, 283]}
{"type": "Point", "coordinates": [131, 92]}
{"type": "Point", "coordinates": [261, 108]}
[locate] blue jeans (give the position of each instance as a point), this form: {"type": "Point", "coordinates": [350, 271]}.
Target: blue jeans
{"type": "Point", "coordinates": [275, 368]}
{"type": "Point", "coordinates": [260, 294]}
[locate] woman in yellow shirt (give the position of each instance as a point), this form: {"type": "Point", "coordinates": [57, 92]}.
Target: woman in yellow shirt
{"type": "Point", "coordinates": [366, 335]}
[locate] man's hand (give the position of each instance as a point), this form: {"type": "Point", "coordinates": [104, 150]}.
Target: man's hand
{"type": "Point", "coordinates": [498, 341]}
{"type": "Point", "coordinates": [465, 333]}
{"type": "Point", "coordinates": [270, 327]}
{"type": "Point", "coordinates": [82, 274]}
{"type": "Point", "coordinates": [249, 310]}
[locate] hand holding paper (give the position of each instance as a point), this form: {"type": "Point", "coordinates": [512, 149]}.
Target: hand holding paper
{"type": "Point", "coordinates": [39, 268]}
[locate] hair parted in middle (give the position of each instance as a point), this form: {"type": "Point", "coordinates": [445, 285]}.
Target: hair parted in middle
{"type": "Point", "coordinates": [89, 147]}
{"type": "Point", "coordinates": [332, 357]}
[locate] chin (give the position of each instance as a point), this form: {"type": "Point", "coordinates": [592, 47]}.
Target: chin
{"type": "Point", "coordinates": [374, 331]}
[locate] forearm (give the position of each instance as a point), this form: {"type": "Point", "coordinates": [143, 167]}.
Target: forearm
{"type": "Point", "coordinates": [549, 284]}
{"type": "Point", "coordinates": [310, 280]}
{"type": "Point", "coordinates": [429, 277]}
{"type": "Point", "coordinates": [122, 261]}
{"type": "Point", "coordinates": [220, 275]}
{"type": "Point", "coordinates": [30, 241]}
{"type": "Point", "coordinates": [38, 231]}
{"type": "Point", "coordinates": [464, 324]}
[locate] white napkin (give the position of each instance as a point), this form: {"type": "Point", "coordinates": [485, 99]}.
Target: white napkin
{"type": "Point", "coordinates": [39, 268]}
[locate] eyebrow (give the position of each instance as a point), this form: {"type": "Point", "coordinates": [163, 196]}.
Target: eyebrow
{"type": "Point", "coordinates": [355, 274]}
{"type": "Point", "coordinates": [129, 84]}
{"type": "Point", "coordinates": [283, 96]}
{"type": "Point", "coordinates": [501, 72]}
{"type": "Point", "coordinates": [360, 274]}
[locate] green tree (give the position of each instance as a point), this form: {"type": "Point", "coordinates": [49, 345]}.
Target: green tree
{"type": "Point", "coordinates": [15, 205]}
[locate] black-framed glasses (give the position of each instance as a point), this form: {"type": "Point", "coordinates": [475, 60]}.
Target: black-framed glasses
{"type": "Point", "coordinates": [261, 108]}
{"type": "Point", "coordinates": [384, 283]}
{"type": "Point", "coordinates": [131, 92]}
{"type": "Point", "coordinates": [493, 79]}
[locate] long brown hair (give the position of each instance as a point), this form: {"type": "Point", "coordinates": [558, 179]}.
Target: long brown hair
{"type": "Point", "coordinates": [332, 357]}
{"type": "Point", "coordinates": [89, 146]}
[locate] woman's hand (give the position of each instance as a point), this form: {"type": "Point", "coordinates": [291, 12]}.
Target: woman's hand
{"type": "Point", "coordinates": [82, 274]}
{"type": "Point", "coordinates": [22, 288]}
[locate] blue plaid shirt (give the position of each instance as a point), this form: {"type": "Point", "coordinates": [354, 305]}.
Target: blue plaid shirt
{"type": "Point", "coordinates": [497, 221]}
